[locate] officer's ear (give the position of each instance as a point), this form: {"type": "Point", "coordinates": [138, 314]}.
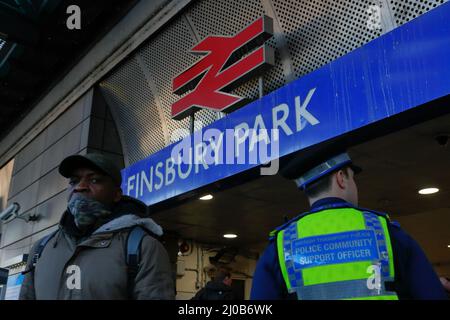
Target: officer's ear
{"type": "Point", "coordinates": [340, 177]}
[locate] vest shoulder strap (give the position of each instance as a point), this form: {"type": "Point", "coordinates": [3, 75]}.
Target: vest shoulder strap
{"type": "Point", "coordinates": [337, 205]}
{"type": "Point", "coordinates": [382, 214]}
{"type": "Point", "coordinates": [273, 233]}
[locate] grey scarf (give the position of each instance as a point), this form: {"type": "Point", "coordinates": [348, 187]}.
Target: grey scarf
{"type": "Point", "coordinates": [87, 212]}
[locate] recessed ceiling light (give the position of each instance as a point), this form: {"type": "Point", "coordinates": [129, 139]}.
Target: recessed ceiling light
{"type": "Point", "coordinates": [448, 246]}
{"type": "Point", "coordinates": [230, 236]}
{"type": "Point", "coordinates": [428, 190]}
{"type": "Point", "coordinates": [207, 197]}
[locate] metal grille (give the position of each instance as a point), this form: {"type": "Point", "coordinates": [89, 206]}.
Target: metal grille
{"type": "Point", "coordinates": [135, 111]}
{"type": "Point", "coordinates": [275, 77]}
{"type": "Point", "coordinates": [406, 10]}
{"type": "Point", "coordinates": [165, 57]}
{"type": "Point", "coordinates": [319, 32]}
{"type": "Point", "coordinates": [226, 18]}
{"type": "Point", "coordinates": [316, 32]}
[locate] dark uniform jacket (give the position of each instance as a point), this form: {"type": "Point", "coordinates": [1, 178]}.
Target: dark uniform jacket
{"type": "Point", "coordinates": [414, 275]}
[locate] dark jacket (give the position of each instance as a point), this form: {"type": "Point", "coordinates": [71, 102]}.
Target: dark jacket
{"type": "Point", "coordinates": [414, 275]}
{"type": "Point", "coordinates": [99, 262]}
{"type": "Point", "coordinates": [215, 291]}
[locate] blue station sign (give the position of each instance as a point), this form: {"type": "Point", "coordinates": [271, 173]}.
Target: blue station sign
{"type": "Point", "coordinates": [398, 71]}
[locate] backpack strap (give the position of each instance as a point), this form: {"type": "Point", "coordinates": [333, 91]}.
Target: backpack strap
{"type": "Point", "coordinates": [133, 255]}
{"type": "Point", "coordinates": [38, 252]}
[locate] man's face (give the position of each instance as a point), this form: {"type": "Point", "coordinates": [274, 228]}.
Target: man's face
{"type": "Point", "coordinates": [95, 185]}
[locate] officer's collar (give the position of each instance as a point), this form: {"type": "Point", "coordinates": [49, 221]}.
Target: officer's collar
{"type": "Point", "coordinates": [319, 205]}
{"type": "Point", "coordinates": [330, 201]}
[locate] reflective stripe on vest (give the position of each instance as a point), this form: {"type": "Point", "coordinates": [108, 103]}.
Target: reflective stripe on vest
{"type": "Point", "coordinates": [339, 253]}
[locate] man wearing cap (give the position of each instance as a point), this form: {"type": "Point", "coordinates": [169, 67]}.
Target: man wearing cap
{"type": "Point", "coordinates": [338, 250]}
{"type": "Point", "coordinates": [87, 257]}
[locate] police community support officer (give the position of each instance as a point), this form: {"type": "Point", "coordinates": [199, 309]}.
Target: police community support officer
{"type": "Point", "coordinates": [338, 250]}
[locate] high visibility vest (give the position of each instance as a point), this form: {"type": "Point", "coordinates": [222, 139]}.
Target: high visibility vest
{"type": "Point", "coordinates": [337, 253]}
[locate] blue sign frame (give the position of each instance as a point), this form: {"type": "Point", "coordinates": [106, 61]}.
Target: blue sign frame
{"type": "Point", "coordinates": [396, 72]}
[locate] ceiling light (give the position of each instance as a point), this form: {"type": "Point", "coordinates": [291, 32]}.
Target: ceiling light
{"type": "Point", "coordinates": [428, 190]}
{"type": "Point", "coordinates": [230, 236]}
{"type": "Point", "coordinates": [207, 197]}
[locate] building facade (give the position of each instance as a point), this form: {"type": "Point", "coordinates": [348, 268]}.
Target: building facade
{"type": "Point", "coordinates": [118, 98]}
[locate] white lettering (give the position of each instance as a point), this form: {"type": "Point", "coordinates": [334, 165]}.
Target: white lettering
{"type": "Point", "coordinates": [274, 153]}
{"type": "Point", "coordinates": [191, 310]}
{"type": "Point", "coordinates": [281, 122]}
{"type": "Point", "coordinates": [374, 280]}
{"type": "Point", "coordinates": [180, 152]}
{"type": "Point", "coordinates": [259, 133]}
{"type": "Point", "coordinates": [230, 146]}
{"type": "Point", "coordinates": [200, 150]}
{"type": "Point", "coordinates": [74, 20]}
{"type": "Point", "coordinates": [137, 185]}
{"type": "Point", "coordinates": [130, 185]}
{"type": "Point", "coordinates": [181, 174]}
{"type": "Point", "coordinates": [170, 171]}
{"type": "Point", "coordinates": [214, 154]}
{"type": "Point", "coordinates": [241, 134]}
{"type": "Point", "coordinates": [301, 112]}
{"type": "Point", "coordinates": [159, 175]}
{"type": "Point", "coordinates": [74, 278]}
{"type": "Point", "coordinates": [148, 184]}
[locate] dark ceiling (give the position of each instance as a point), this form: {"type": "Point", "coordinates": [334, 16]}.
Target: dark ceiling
{"type": "Point", "coordinates": [37, 48]}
